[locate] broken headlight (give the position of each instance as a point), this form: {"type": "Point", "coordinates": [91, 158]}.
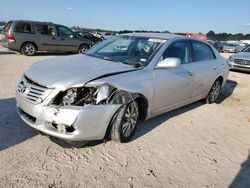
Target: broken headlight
{"type": "Point", "coordinates": [83, 96]}
{"type": "Point", "coordinates": [76, 96]}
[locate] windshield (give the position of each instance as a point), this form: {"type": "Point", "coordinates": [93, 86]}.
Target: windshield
{"type": "Point", "coordinates": [247, 49]}
{"type": "Point", "coordinates": [127, 49]}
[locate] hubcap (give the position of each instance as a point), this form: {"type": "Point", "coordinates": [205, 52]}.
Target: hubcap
{"type": "Point", "coordinates": [130, 119]}
{"type": "Point", "coordinates": [215, 91]}
{"type": "Point", "coordinates": [29, 49]}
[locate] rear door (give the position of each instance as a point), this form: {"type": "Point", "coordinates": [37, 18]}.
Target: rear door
{"type": "Point", "coordinates": [67, 39]}
{"type": "Point", "coordinates": [174, 86]}
{"type": "Point", "coordinates": [46, 36]}
{"type": "Point", "coordinates": [205, 68]}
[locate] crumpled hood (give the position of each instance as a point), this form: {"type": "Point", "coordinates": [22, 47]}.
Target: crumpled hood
{"type": "Point", "coordinates": [73, 70]}
{"type": "Point", "coordinates": [242, 55]}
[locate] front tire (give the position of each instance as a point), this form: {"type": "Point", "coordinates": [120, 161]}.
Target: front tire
{"type": "Point", "coordinates": [28, 49]}
{"type": "Point", "coordinates": [82, 49]}
{"type": "Point", "coordinates": [214, 92]}
{"type": "Point", "coordinates": [124, 123]}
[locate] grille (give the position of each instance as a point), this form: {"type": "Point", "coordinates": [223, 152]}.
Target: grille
{"type": "Point", "coordinates": [242, 62]}
{"type": "Point", "coordinates": [32, 91]}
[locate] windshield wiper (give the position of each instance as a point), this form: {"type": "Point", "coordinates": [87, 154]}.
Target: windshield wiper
{"type": "Point", "coordinates": [138, 64]}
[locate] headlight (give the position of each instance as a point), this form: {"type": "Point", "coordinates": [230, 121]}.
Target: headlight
{"type": "Point", "coordinates": [83, 96]}
{"type": "Point", "coordinates": [76, 96]}
{"type": "Point", "coordinates": [230, 60]}
{"type": "Point", "coordinates": [70, 97]}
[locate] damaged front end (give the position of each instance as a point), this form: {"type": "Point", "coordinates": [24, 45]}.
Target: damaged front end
{"type": "Point", "coordinates": [76, 114]}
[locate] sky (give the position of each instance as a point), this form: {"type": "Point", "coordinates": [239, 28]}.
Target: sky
{"type": "Point", "coordinates": [229, 16]}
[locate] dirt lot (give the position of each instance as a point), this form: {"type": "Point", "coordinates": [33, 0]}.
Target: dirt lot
{"type": "Point", "coordinates": [196, 146]}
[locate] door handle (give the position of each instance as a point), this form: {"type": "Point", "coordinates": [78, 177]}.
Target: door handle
{"type": "Point", "coordinates": [190, 73]}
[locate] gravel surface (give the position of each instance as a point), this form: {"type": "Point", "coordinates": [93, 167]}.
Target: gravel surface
{"type": "Point", "coordinates": [196, 146]}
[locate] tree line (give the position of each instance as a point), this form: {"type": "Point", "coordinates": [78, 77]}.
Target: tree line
{"type": "Point", "coordinates": [227, 36]}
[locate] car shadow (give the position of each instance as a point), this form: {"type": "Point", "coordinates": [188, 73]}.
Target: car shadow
{"type": "Point", "coordinates": [147, 126]}
{"type": "Point", "coordinates": [242, 179]}
{"type": "Point", "coordinates": [226, 91]}
{"type": "Point", "coordinates": [7, 53]}
{"type": "Point", "coordinates": [12, 129]}
{"type": "Point", "coordinates": [53, 53]}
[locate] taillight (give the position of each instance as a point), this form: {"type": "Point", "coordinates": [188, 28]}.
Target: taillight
{"type": "Point", "coordinates": [11, 38]}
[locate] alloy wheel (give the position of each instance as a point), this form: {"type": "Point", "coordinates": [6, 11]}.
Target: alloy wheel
{"type": "Point", "coordinates": [130, 119]}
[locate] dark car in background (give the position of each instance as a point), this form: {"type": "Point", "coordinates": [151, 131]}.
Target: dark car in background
{"type": "Point", "coordinates": [217, 45]}
{"type": "Point", "coordinates": [28, 37]}
{"type": "Point", "coordinates": [89, 36]}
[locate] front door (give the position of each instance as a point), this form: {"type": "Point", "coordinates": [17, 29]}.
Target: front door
{"type": "Point", "coordinates": [67, 40]}
{"type": "Point", "coordinates": [174, 86]}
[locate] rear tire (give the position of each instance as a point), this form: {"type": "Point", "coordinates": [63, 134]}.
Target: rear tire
{"type": "Point", "coordinates": [214, 92]}
{"type": "Point", "coordinates": [124, 123]}
{"type": "Point", "coordinates": [28, 49]}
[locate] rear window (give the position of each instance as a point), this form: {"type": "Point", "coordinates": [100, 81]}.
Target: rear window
{"type": "Point", "coordinates": [23, 27]}
{"type": "Point", "coordinates": [6, 28]}
{"type": "Point", "coordinates": [202, 51]}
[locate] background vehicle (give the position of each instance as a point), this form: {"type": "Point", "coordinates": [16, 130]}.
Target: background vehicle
{"type": "Point", "coordinates": [228, 47]}
{"type": "Point", "coordinates": [241, 60]}
{"type": "Point", "coordinates": [217, 45]}
{"type": "Point", "coordinates": [90, 37]}
{"type": "Point", "coordinates": [28, 37]}
{"type": "Point", "coordinates": [122, 80]}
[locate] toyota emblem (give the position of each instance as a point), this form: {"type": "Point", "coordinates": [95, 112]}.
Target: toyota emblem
{"type": "Point", "coordinates": [22, 88]}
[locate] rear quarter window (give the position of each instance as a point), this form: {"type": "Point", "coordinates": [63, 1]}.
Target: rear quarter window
{"type": "Point", "coordinates": [202, 51]}
{"type": "Point", "coordinates": [6, 28]}
{"type": "Point", "coordinates": [23, 27]}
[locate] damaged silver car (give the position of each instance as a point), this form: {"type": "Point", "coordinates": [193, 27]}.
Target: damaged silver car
{"type": "Point", "coordinates": [106, 91]}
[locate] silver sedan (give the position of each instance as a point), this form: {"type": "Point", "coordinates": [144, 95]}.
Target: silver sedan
{"type": "Point", "coordinates": [241, 60]}
{"type": "Point", "coordinates": [106, 91]}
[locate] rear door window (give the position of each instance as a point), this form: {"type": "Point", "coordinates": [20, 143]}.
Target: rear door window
{"type": "Point", "coordinates": [202, 52]}
{"type": "Point", "coordinates": [23, 27]}
{"type": "Point", "coordinates": [44, 29]}
{"type": "Point", "coordinates": [179, 50]}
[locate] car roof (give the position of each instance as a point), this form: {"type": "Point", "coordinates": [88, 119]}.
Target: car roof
{"type": "Point", "coordinates": [154, 35]}
{"type": "Point", "coordinates": [31, 21]}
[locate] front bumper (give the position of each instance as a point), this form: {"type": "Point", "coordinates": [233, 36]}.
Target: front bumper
{"type": "Point", "coordinates": [245, 68]}
{"type": "Point", "coordinates": [229, 50]}
{"type": "Point", "coordinates": [88, 122]}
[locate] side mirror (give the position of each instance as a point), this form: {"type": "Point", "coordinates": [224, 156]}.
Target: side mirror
{"type": "Point", "coordinates": [170, 62]}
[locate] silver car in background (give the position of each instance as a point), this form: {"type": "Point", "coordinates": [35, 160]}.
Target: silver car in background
{"type": "Point", "coordinates": [106, 91]}
{"type": "Point", "coordinates": [241, 60]}
{"type": "Point", "coordinates": [232, 48]}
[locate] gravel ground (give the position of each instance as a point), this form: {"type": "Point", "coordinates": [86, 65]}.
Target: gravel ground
{"type": "Point", "coordinates": [196, 146]}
